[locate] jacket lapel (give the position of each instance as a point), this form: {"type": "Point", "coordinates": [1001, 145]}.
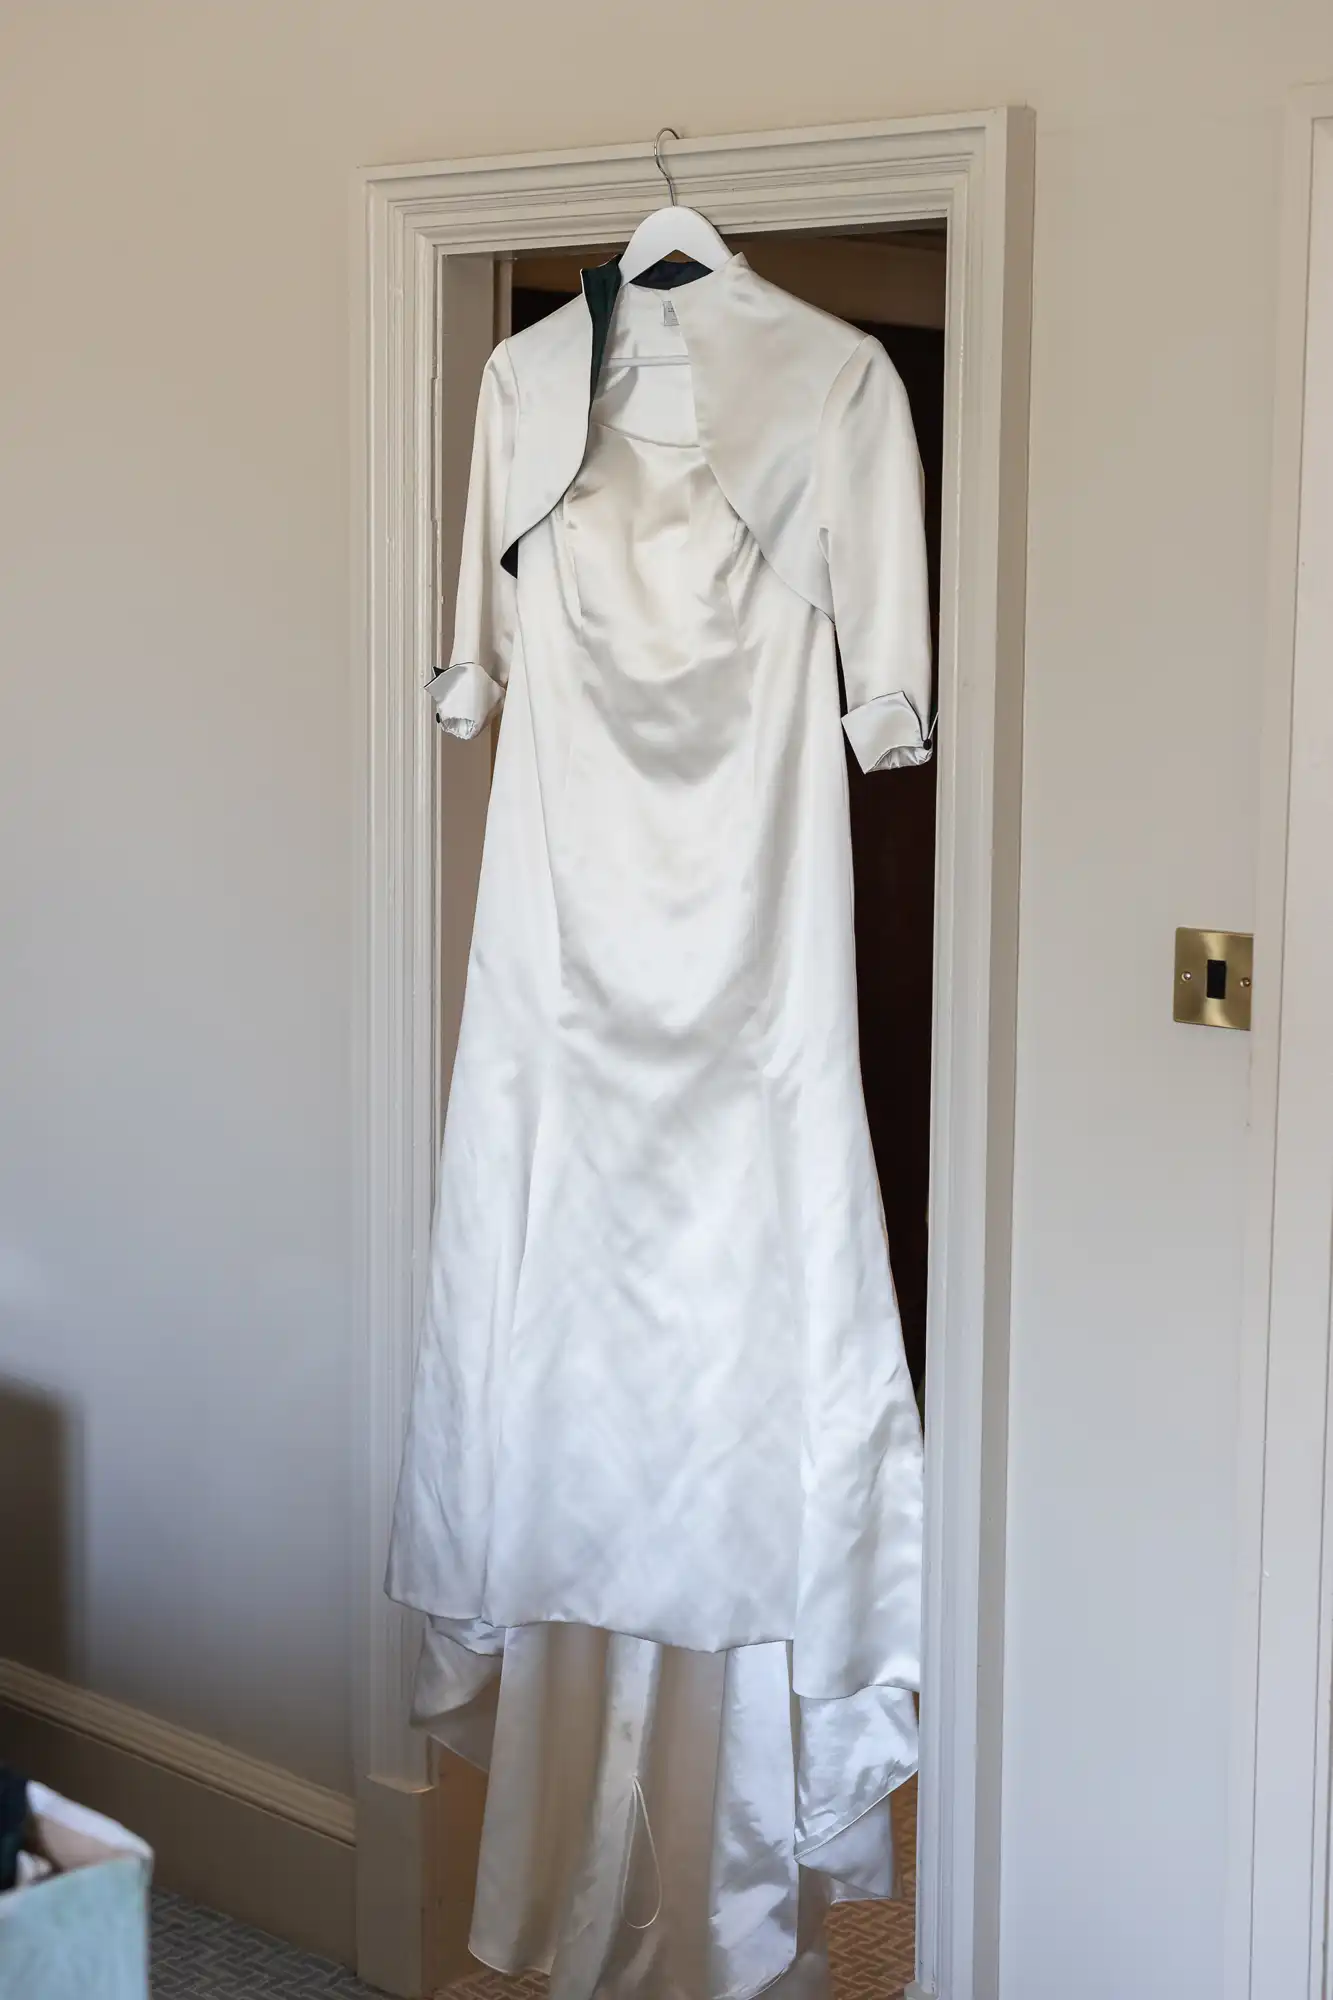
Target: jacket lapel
{"type": "Point", "coordinates": [553, 368]}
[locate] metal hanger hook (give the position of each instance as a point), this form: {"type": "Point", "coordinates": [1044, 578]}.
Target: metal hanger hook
{"type": "Point", "coordinates": [667, 131]}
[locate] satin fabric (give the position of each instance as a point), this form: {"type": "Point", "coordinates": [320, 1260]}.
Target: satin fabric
{"type": "Point", "coordinates": [661, 1392]}
{"type": "Point", "coordinates": [639, 1837]}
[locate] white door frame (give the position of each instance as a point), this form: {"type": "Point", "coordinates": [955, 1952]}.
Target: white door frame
{"type": "Point", "coordinates": [1278, 1905]}
{"type": "Point", "coordinates": [411, 225]}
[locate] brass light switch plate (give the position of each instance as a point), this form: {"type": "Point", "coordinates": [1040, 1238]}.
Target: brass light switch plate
{"type": "Point", "coordinates": [1214, 978]}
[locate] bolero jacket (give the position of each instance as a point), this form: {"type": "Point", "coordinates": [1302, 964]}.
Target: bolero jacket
{"type": "Point", "coordinates": [804, 424]}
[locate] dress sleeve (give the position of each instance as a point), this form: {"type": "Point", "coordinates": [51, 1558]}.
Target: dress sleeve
{"type": "Point", "coordinates": [471, 687]}
{"type": "Point", "coordinates": [873, 531]}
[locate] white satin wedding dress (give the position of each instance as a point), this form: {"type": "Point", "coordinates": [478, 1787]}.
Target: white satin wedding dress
{"type": "Point", "coordinates": [661, 1494]}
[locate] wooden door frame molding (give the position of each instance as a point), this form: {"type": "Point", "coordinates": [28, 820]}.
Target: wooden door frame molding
{"type": "Point", "coordinates": [975, 172]}
{"type": "Point", "coordinates": [1277, 1905]}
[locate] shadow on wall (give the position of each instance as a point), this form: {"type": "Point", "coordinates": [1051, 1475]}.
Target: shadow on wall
{"type": "Point", "coordinates": [41, 1566]}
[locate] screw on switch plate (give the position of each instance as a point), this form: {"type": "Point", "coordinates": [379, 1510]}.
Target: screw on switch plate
{"type": "Point", "coordinates": [1214, 978]}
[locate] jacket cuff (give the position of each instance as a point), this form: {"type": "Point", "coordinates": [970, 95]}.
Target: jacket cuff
{"type": "Point", "coordinates": [465, 698]}
{"type": "Point", "coordinates": [886, 734]}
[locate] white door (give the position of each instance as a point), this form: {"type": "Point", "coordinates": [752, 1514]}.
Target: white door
{"type": "Point", "coordinates": [1288, 1831]}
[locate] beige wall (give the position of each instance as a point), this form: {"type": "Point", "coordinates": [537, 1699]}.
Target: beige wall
{"type": "Point", "coordinates": [176, 833]}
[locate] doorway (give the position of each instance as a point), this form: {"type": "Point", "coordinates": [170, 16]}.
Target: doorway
{"type": "Point", "coordinates": [426, 305]}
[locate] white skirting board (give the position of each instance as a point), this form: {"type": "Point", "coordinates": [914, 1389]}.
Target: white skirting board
{"type": "Point", "coordinates": [228, 1831]}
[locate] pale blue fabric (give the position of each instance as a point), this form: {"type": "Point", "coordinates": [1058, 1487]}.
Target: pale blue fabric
{"type": "Point", "coordinates": [81, 1934]}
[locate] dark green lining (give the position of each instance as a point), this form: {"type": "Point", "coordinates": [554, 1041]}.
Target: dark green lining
{"type": "Point", "coordinates": [601, 289]}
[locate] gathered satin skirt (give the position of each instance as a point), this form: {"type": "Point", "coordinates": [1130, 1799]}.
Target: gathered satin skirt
{"type": "Point", "coordinates": [664, 1824]}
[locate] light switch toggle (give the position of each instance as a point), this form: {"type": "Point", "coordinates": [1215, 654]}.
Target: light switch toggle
{"type": "Point", "coordinates": [1214, 978]}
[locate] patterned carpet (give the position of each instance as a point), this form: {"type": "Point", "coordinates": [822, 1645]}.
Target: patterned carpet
{"type": "Point", "coordinates": [199, 1955]}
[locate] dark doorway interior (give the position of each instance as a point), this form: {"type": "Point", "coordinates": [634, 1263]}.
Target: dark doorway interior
{"type": "Point", "coordinates": [893, 856]}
